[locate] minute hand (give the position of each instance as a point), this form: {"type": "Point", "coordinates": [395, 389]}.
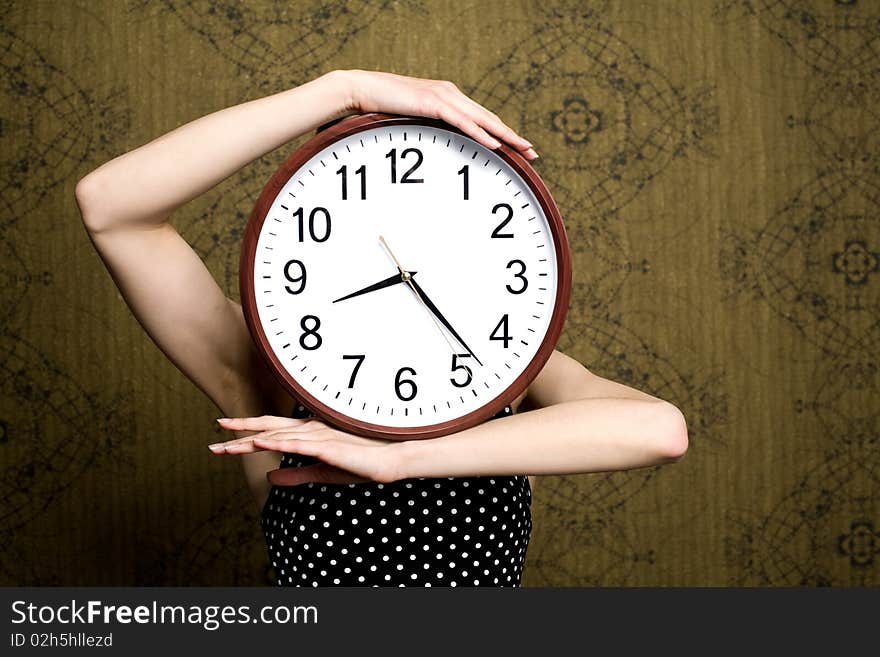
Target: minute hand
{"type": "Point", "coordinates": [439, 315]}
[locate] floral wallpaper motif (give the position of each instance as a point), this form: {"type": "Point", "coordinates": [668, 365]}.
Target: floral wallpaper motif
{"type": "Point", "coordinates": [715, 164]}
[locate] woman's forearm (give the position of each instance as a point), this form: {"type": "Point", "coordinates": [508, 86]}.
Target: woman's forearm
{"type": "Point", "coordinates": [585, 435]}
{"type": "Point", "coordinates": [146, 185]}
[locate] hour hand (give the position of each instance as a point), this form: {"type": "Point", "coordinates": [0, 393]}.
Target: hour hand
{"type": "Point", "coordinates": [388, 282]}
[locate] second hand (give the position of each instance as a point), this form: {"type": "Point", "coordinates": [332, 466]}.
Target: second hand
{"type": "Point", "coordinates": [406, 276]}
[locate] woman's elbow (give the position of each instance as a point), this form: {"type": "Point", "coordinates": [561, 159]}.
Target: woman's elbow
{"type": "Point", "coordinates": [672, 441]}
{"type": "Point", "coordinates": [87, 192]}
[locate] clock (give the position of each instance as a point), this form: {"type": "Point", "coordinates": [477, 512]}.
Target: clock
{"type": "Point", "coordinates": [401, 280]}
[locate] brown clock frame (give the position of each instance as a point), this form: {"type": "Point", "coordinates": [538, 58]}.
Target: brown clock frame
{"type": "Point", "coordinates": [345, 128]}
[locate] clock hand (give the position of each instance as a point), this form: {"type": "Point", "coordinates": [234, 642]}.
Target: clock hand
{"type": "Point", "coordinates": [433, 308]}
{"type": "Point", "coordinates": [406, 277]}
{"type": "Point", "coordinates": [402, 271]}
{"type": "Point", "coordinates": [388, 282]}
{"type": "Point", "coordinates": [429, 306]}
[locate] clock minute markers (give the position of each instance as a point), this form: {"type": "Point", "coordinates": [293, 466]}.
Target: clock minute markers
{"type": "Point", "coordinates": [433, 390]}
{"type": "Point", "coordinates": [437, 316]}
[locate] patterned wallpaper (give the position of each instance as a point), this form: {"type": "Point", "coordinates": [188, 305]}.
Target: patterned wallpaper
{"type": "Point", "coordinates": [716, 163]}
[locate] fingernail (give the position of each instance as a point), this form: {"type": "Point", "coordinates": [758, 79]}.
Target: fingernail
{"type": "Point", "coordinates": [223, 419]}
{"type": "Point", "coordinates": [531, 153]}
{"type": "Point", "coordinates": [527, 143]}
{"type": "Point", "coordinates": [496, 144]}
{"type": "Point", "coordinates": [215, 447]}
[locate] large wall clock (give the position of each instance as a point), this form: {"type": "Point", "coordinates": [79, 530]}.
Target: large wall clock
{"type": "Point", "coordinates": [403, 281]}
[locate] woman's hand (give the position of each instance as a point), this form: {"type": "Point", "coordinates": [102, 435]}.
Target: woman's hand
{"type": "Point", "coordinates": [373, 91]}
{"type": "Point", "coordinates": [343, 457]}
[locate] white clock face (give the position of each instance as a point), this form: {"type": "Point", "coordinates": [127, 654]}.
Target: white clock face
{"type": "Point", "coordinates": [417, 352]}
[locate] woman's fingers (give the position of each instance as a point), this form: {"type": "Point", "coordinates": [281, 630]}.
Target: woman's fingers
{"type": "Point", "coordinates": [469, 127]}
{"type": "Point", "coordinates": [254, 444]}
{"type": "Point", "coordinates": [398, 94]}
{"type": "Point", "coordinates": [478, 123]}
{"type": "Point", "coordinates": [489, 122]}
{"type": "Point", "coordinates": [318, 449]}
{"type": "Point", "coordinates": [340, 461]}
{"type": "Point", "coordinates": [260, 423]}
{"type": "Point", "coordinates": [313, 429]}
{"type": "Point", "coordinates": [493, 123]}
{"type": "Point", "coordinates": [247, 447]}
{"type": "Point", "coordinates": [225, 446]}
{"type": "Point", "coordinates": [249, 444]}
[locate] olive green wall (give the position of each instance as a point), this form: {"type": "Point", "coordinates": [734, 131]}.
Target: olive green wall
{"type": "Point", "coordinates": [717, 167]}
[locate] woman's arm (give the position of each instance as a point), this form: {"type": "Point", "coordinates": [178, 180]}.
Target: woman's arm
{"type": "Point", "coordinates": [126, 206]}
{"type": "Point", "coordinates": [145, 186]}
{"type": "Point", "coordinates": [584, 424]}
{"type": "Point", "coordinates": [581, 423]}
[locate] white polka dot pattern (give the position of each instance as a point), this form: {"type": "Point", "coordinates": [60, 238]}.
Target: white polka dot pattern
{"type": "Point", "coordinates": [450, 531]}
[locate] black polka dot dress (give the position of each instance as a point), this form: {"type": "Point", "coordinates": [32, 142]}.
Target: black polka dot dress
{"type": "Point", "coordinates": [449, 531]}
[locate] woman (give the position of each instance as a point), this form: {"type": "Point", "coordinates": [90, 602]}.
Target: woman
{"type": "Point", "coordinates": [362, 511]}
